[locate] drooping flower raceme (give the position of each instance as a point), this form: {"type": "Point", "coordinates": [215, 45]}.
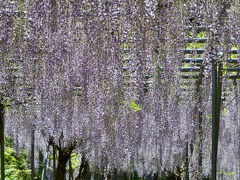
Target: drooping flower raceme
{"type": "Point", "coordinates": [105, 76]}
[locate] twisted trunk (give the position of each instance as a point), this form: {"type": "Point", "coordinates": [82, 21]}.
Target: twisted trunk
{"type": "Point", "coordinates": [63, 158]}
{"type": "Point", "coordinates": [64, 154]}
{"type": "Point", "coordinates": [84, 167]}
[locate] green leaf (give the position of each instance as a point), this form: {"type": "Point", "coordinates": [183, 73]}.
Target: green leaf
{"type": "Point", "coordinates": [134, 106]}
{"type": "Point", "coordinates": [225, 111]}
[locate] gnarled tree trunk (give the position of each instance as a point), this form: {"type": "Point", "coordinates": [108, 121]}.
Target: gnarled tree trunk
{"type": "Point", "coordinates": [84, 167]}
{"type": "Point", "coordinates": [64, 154]}
{"type": "Point", "coordinates": [63, 158]}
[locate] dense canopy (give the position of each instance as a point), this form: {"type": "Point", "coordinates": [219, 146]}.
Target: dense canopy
{"type": "Point", "coordinates": [104, 78]}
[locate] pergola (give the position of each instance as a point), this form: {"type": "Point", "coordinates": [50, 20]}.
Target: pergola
{"type": "Point", "coordinates": [193, 66]}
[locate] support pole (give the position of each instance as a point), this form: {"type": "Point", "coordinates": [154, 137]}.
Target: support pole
{"type": "Point", "coordinates": [236, 94]}
{"type": "Point", "coordinates": [214, 120]}
{"type": "Point", "coordinates": [187, 162]}
{"type": "Point", "coordinates": [70, 168]}
{"type": "Point", "coordinates": [45, 166]}
{"type": "Point", "coordinates": [54, 163]}
{"type": "Point", "coordinates": [32, 155]}
{"type": "Point", "coordinates": [216, 105]}
{"type": "Point", "coordinates": [2, 140]}
{"type": "Point", "coordinates": [199, 110]}
{"type": "Point", "coordinates": [200, 134]}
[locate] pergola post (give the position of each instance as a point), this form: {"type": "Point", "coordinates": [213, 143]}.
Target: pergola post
{"type": "Point", "coordinates": [54, 163]}
{"type": "Point", "coordinates": [200, 132]}
{"type": "Point", "coordinates": [214, 120]}
{"type": "Point", "coordinates": [216, 109]}
{"type": "Point", "coordinates": [2, 140]}
{"type": "Point", "coordinates": [32, 154]}
{"type": "Point", "coordinates": [70, 169]}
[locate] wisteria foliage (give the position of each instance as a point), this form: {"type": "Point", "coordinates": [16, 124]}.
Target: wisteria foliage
{"type": "Point", "coordinates": [80, 78]}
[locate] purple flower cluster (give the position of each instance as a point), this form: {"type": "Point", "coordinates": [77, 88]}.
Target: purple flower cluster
{"type": "Point", "coordinates": [104, 78]}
